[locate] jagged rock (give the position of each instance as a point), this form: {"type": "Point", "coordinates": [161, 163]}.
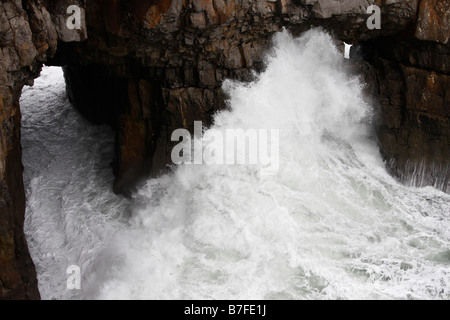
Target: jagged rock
{"type": "Point", "coordinates": [412, 84]}
{"type": "Point", "coordinates": [28, 36]}
{"type": "Point", "coordinates": [434, 21]}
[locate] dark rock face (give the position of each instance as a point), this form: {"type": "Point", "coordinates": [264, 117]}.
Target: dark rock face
{"type": "Point", "coordinates": [147, 67]}
{"type": "Point", "coordinates": [410, 80]}
{"type": "Point", "coordinates": [17, 274]}
{"type": "Point", "coordinates": [29, 33]}
{"type": "Point", "coordinates": [19, 63]}
{"type": "Point", "coordinates": [413, 128]}
{"type": "Point", "coordinates": [174, 55]}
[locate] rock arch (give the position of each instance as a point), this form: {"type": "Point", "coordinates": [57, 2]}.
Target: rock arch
{"type": "Point", "coordinates": [148, 67]}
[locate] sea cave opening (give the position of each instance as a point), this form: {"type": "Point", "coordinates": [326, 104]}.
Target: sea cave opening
{"type": "Point", "coordinates": [68, 182]}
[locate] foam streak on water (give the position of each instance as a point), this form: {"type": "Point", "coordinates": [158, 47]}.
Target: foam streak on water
{"type": "Point", "coordinates": [331, 223]}
{"type": "Point", "coordinates": [71, 211]}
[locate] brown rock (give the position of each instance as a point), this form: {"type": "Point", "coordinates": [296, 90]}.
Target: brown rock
{"type": "Point", "coordinates": [434, 21]}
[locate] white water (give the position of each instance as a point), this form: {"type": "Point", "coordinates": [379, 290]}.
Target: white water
{"type": "Point", "coordinates": [330, 224]}
{"type": "Point", "coordinates": [71, 210]}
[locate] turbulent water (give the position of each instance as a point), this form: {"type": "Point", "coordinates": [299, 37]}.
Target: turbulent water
{"type": "Point", "coordinates": [329, 224]}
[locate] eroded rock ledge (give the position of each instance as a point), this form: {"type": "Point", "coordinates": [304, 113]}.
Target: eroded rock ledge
{"type": "Point", "coordinates": [148, 67]}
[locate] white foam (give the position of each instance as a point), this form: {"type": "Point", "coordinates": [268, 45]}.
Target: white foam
{"type": "Point", "coordinates": [331, 223]}
{"type": "Point", "coordinates": [71, 211]}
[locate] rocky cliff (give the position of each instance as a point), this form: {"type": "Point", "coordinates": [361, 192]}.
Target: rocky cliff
{"type": "Point", "coordinates": [29, 35]}
{"type": "Point", "coordinates": [149, 67]}
{"type": "Point", "coordinates": [409, 79]}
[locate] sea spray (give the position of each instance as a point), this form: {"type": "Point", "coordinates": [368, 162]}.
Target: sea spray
{"type": "Point", "coordinates": [329, 224]}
